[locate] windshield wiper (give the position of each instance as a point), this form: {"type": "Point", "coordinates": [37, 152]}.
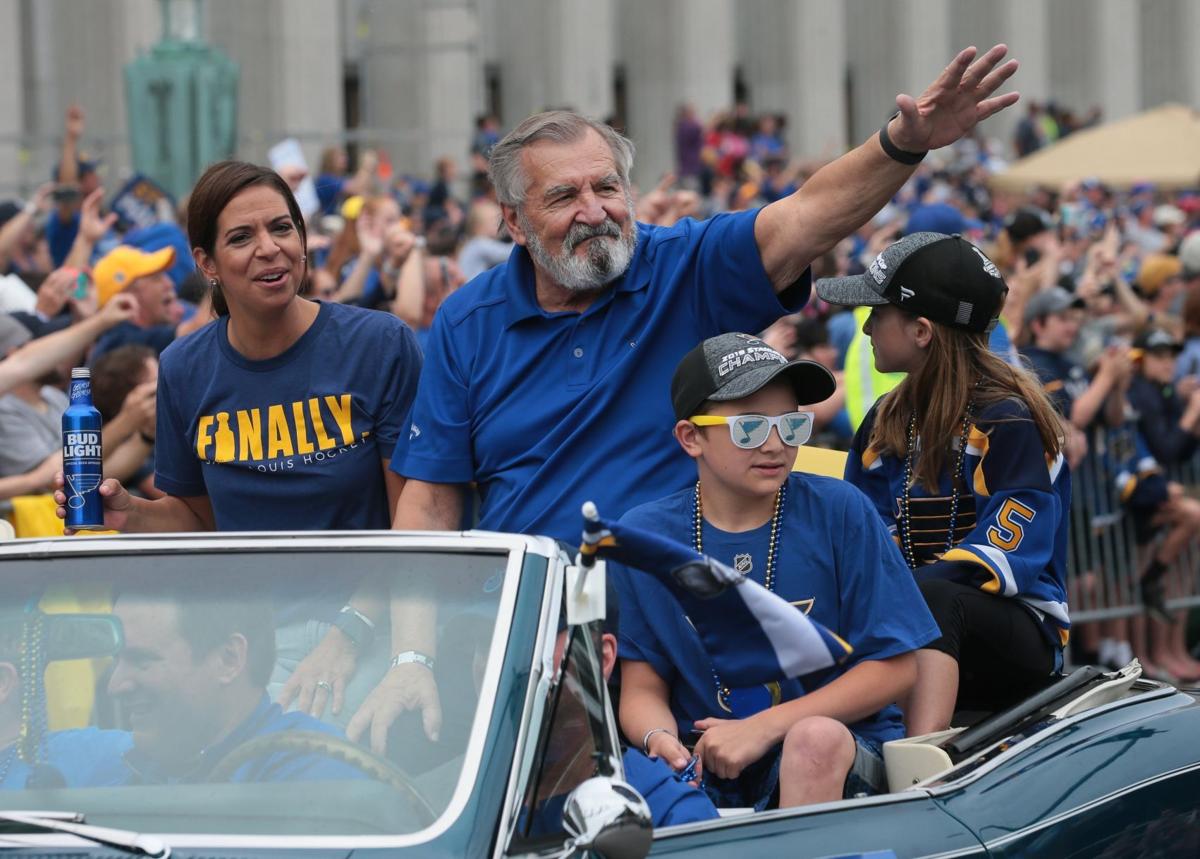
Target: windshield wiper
{"type": "Point", "coordinates": [73, 824]}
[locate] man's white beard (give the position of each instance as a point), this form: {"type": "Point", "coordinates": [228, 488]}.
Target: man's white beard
{"type": "Point", "coordinates": [607, 258]}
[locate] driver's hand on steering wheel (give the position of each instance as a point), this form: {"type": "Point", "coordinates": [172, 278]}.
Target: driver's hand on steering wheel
{"type": "Point", "coordinates": [321, 676]}
{"type": "Point", "coordinates": [409, 686]}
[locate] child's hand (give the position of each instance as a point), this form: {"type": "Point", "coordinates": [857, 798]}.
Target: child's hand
{"type": "Point", "coordinates": [730, 745]}
{"type": "Point", "coordinates": [666, 746]}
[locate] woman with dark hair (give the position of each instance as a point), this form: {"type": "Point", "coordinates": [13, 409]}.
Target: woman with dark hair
{"type": "Point", "coordinates": [282, 413]}
{"type": "Point", "coordinates": [963, 461]}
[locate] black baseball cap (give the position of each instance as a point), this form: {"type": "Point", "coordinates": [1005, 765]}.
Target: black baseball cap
{"type": "Point", "coordinates": [1157, 339]}
{"type": "Point", "coordinates": [732, 366]}
{"type": "Point", "coordinates": [942, 277]}
{"type": "Point", "coordinates": [1027, 222]}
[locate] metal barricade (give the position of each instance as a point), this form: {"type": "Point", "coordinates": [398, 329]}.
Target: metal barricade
{"type": "Point", "coordinates": [1103, 559]}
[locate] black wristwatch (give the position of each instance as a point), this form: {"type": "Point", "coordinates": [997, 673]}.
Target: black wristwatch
{"type": "Point", "coordinates": [356, 626]}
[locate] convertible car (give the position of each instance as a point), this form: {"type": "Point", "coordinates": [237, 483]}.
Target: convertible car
{"type": "Point", "coordinates": [136, 680]}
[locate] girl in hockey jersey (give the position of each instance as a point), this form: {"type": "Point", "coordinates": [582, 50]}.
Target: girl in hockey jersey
{"type": "Point", "coordinates": [964, 463]}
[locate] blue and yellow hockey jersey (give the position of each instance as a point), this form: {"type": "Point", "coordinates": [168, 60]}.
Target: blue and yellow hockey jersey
{"type": "Point", "coordinates": [1011, 528]}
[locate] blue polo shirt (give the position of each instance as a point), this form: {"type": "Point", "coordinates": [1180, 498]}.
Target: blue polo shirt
{"type": "Point", "coordinates": [544, 411]}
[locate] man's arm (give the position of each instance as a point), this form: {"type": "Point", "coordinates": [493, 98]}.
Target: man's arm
{"type": "Point", "coordinates": [409, 303]}
{"type": "Point", "coordinates": [429, 507]}
{"type": "Point", "coordinates": [845, 194]}
{"type": "Point", "coordinates": [42, 355]}
{"type": "Point", "coordinates": [38, 479]}
{"type": "Point", "coordinates": [11, 232]}
{"type": "Point", "coordinates": [68, 160]}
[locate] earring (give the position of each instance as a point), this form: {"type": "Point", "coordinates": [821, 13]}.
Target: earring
{"type": "Point", "coordinates": [304, 258]}
{"type": "Point", "coordinates": [213, 283]}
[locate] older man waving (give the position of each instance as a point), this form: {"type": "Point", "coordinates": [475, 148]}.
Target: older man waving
{"type": "Point", "coordinates": [544, 378]}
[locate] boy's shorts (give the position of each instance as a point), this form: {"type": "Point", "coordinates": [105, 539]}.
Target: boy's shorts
{"type": "Point", "coordinates": [758, 785]}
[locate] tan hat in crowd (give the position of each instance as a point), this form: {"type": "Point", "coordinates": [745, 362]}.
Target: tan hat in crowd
{"type": "Point", "coordinates": [1156, 270]}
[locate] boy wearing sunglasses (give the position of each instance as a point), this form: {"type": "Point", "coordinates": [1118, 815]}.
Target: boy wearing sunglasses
{"type": "Point", "coordinates": [815, 541]}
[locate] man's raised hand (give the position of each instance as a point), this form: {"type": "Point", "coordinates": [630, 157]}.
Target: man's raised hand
{"type": "Point", "coordinates": [953, 104]}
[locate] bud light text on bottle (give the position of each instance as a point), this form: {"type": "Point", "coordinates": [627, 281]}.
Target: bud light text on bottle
{"type": "Point", "coordinates": [83, 456]}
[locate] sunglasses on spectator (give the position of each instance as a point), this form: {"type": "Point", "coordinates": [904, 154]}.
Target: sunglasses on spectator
{"type": "Point", "coordinates": [751, 431]}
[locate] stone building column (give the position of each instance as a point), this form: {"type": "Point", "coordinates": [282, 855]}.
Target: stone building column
{"type": "Point", "coordinates": [421, 75]}
{"type": "Point", "coordinates": [793, 55]}
{"type": "Point", "coordinates": [892, 47]}
{"type": "Point", "coordinates": [12, 102]}
{"type": "Point", "coordinates": [673, 52]}
{"type": "Point", "coordinates": [1118, 50]}
{"type": "Point", "coordinates": [290, 62]}
{"type": "Point", "coordinates": [555, 53]}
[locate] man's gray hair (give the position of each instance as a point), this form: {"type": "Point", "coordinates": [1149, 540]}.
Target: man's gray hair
{"type": "Point", "coordinates": [560, 126]}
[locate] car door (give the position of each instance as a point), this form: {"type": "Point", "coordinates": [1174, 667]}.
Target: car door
{"type": "Point", "coordinates": [909, 824]}
{"type": "Point", "coordinates": [576, 741]}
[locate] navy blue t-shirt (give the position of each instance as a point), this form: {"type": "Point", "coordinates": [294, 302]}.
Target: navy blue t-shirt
{"type": "Point", "coordinates": [544, 411]}
{"type": "Point", "coordinates": [294, 442]}
{"type": "Point", "coordinates": [835, 560]}
{"type": "Point", "coordinates": [60, 235]}
{"type": "Point", "coordinates": [1064, 380]}
{"type": "Point", "coordinates": [157, 337]}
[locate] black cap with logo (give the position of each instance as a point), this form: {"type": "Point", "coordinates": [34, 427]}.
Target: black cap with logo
{"type": "Point", "coordinates": [731, 366]}
{"type": "Point", "coordinates": [1157, 340]}
{"type": "Point", "coordinates": [943, 278]}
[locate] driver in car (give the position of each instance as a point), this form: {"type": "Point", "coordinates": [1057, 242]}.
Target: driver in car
{"type": "Point", "coordinates": [191, 682]}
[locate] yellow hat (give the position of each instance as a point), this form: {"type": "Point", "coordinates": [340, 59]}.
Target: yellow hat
{"type": "Point", "coordinates": [123, 265]}
{"type": "Point", "coordinates": [352, 208]}
{"type": "Point", "coordinates": [1156, 270]}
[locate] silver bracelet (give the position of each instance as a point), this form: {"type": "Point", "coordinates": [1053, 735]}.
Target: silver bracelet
{"type": "Point", "coordinates": [412, 656]}
{"type": "Point", "coordinates": [651, 733]}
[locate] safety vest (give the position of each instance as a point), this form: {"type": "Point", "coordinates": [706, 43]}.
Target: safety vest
{"type": "Point", "coordinates": [864, 384]}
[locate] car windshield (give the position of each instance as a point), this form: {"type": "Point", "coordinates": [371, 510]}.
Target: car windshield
{"type": "Point", "coordinates": [143, 689]}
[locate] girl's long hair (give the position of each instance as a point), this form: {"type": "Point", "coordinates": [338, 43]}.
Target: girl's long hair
{"type": "Point", "coordinates": [959, 367]}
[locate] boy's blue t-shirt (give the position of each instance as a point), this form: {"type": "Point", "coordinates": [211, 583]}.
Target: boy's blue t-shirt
{"type": "Point", "coordinates": [295, 442]}
{"type": "Point", "coordinates": [835, 560]}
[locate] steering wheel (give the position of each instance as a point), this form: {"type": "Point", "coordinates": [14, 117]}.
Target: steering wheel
{"type": "Point", "coordinates": [332, 746]}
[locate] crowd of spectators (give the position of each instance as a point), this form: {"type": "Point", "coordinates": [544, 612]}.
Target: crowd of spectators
{"type": "Point", "coordinates": [1104, 301]}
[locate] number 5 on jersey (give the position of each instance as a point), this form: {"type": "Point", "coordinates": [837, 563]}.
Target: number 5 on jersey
{"type": "Point", "coordinates": [1008, 534]}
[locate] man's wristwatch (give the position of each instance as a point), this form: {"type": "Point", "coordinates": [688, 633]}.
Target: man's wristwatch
{"type": "Point", "coordinates": [412, 656]}
{"type": "Point", "coordinates": [356, 626]}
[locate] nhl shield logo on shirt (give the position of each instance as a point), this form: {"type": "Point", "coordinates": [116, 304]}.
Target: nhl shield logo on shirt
{"type": "Point", "coordinates": [743, 563]}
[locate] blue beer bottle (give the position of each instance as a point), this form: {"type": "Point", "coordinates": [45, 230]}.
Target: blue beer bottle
{"type": "Point", "coordinates": [83, 461]}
